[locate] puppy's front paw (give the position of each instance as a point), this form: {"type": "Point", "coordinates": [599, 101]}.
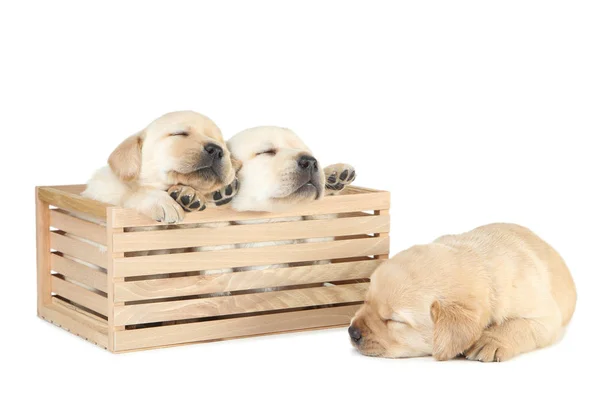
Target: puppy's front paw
{"type": "Point", "coordinates": [187, 197]}
{"type": "Point", "coordinates": [488, 348]}
{"type": "Point", "coordinates": [164, 209]}
{"type": "Point", "coordinates": [225, 194]}
{"type": "Point", "coordinates": [338, 176]}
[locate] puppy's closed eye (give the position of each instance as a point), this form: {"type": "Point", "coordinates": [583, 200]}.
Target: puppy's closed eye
{"type": "Point", "coordinates": [181, 133]}
{"type": "Point", "coordinates": [270, 152]}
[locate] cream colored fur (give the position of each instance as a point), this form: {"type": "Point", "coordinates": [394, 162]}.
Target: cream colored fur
{"type": "Point", "coordinates": [170, 150]}
{"type": "Point", "coordinates": [490, 294]}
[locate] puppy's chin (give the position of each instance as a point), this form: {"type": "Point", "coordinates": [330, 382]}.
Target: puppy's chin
{"type": "Point", "coordinates": [309, 191]}
{"type": "Point", "coordinates": [206, 179]}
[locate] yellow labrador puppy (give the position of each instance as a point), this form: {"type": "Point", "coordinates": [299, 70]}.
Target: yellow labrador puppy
{"type": "Point", "coordinates": [489, 294]}
{"type": "Point", "coordinates": [181, 147]}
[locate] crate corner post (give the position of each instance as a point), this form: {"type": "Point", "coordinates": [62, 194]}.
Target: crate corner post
{"type": "Point", "coordinates": [111, 229]}
{"type": "Point", "coordinates": [42, 218]}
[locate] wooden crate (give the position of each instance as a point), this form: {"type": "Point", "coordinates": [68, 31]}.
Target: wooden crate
{"type": "Point", "coordinates": [93, 282]}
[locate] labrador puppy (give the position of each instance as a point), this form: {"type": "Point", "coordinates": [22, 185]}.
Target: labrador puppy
{"type": "Point", "coordinates": [488, 294]}
{"type": "Point", "coordinates": [181, 147]}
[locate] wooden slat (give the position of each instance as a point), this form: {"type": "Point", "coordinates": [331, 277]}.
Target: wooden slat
{"type": "Point", "coordinates": [78, 249]}
{"type": "Point", "coordinates": [328, 205]}
{"type": "Point", "coordinates": [79, 295]}
{"type": "Point", "coordinates": [78, 227]}
{"type": "Point", "coordinates": [63, 197]}
{"type": "Point", "coordinates": [205, 284]}
{"type": "Point", "coordinates": [76, 321]}
{"type": "Point", "coordinates": [79, 272]}
{"type": "Point", "coordinates": [220, 259]}
{"type": "Point", "coordinates": [238, 304]}
{"type": "Point", "coordinates": [235, 234]}
{"type": "Point", "coordinates": [232, 328]}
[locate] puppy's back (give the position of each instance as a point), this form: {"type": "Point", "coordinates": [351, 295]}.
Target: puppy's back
{"type": "Point", "coordinates": [522, 265]}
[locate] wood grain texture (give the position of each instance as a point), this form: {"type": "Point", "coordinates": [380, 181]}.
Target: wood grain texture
{"type": "Point", "coordinates": [238, 304]}
{"type": "Point", "coordinates": [234, 327]}
{"type": "Point", "coordinates": [220, 259]}
{"type": "Point", "coordinates": [76, 320]}
{"type": "Point", "coordinates": [78, 249]}
{"type": "Point", "coordinates": [42, 238]}
{"type": "Point", "coordinates": [78, 227]}
{"type": "Point", "coordinates": [65, 198]}
{"type": "Point", "coordinates": [328, 205]}
{"type": "Point", "coordinates": [205, 284]}
{"type": "Point", "coordinates": [235, 234]}
{"type": "Point", "coordinates": [79, 272]}
{"type": "Point", "coordinates": [80, 295]}
{"type": "Point", "coordinates": [111, 257]}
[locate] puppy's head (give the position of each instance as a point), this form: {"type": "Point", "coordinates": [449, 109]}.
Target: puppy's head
{"type": "Point", "coordinates": [403, 315]}
{"type": "Point", "coordinates": [278, 170]}
{"type": "Point", "coordinates": [181, 147]}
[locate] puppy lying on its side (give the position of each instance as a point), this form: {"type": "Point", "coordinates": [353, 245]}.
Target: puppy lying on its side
{"type": "Point", "coordinates": [178, 148]}
{"type": "Point", "coordinates": [490, 294]}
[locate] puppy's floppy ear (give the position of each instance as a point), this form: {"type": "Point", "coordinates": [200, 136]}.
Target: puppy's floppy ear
{"type": "Point", "coordinates": [456, 327]}
{"type": "Point", "coordinates": [126, 160]}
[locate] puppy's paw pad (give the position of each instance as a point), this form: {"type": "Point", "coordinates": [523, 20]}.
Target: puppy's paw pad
{"type": "Point", "coordinates": [338, 176]}
{"type": "Point", "coordinates": [187, 197]}
{"type": "Point", "coordinates": [226, 193]}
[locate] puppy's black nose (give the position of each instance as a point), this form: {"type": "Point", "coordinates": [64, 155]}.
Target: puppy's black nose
{"type": "Point", "coordinates": [306, 162]}
{"type": "Point", "coordinates": [354, 333]}
{"type": "Point", "coordinates": [214, 150]}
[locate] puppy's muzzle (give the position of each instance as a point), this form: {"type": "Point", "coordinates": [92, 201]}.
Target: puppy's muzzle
{"type": "Point", "coordinates": [214, 152]}
{"type": "Point", "coordinates": [355, 334]}
{"type": "Point", "coordinates": [308, 163]}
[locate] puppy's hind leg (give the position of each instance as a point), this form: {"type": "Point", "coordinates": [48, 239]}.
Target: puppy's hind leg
{"type": "Point", "coordinates": [514, 337]}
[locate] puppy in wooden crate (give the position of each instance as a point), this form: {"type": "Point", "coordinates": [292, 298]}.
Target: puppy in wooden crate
{"type": "Point", "coordinates": [181, 147]}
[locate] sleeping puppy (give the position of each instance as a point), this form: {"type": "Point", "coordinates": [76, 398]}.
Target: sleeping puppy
{"type": "Point", "coordinates": [489, 294]}
{"type": "Point", "coordinates": [178, 148]}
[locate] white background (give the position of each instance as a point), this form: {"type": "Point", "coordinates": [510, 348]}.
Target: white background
{"type": "Point", "coordinates": [469, 112]}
